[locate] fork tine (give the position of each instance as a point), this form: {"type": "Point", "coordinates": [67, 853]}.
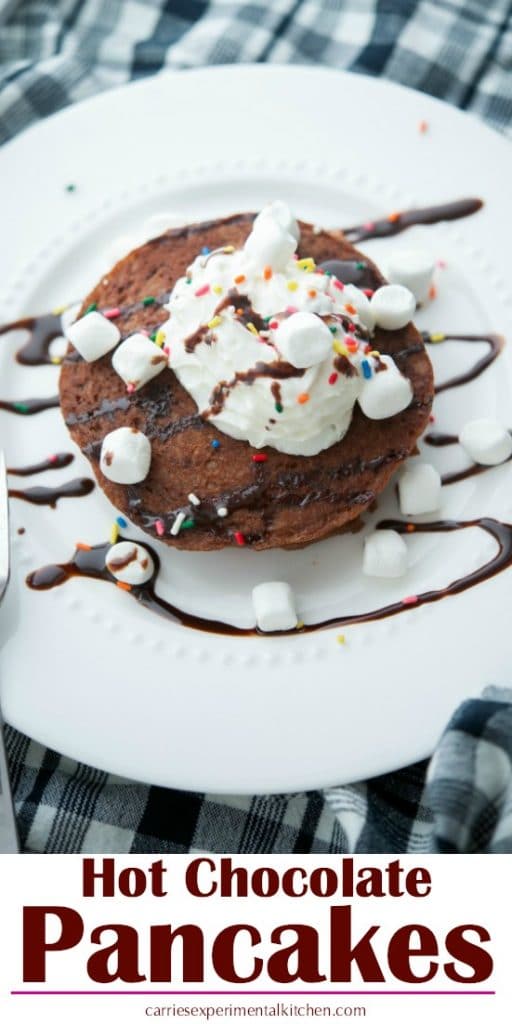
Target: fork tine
{"type": "Point", "coordinates": [4, 527]}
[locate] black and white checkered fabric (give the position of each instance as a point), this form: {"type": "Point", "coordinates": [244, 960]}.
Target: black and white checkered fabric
{"type": "Point", "coordinates": [55, 53]}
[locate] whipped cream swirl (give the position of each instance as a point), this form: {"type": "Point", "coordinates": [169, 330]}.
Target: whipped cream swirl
{"type": "Point", "coordinates": [273, 351]}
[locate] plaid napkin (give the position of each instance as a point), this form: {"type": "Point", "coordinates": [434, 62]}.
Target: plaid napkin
{"type": "Point", "coordinates": [55, 53]}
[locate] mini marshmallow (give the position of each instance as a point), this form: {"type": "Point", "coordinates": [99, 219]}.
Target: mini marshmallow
{"type": "Point", "coordinates": [93, 336]}
{"type": "Point", "coordinates": [414, 269]}
{"type": "Point", "coordinates": [386, 393]}
{"type": "Point", "coordinates": [385, 554]}
{"type": "Point", "coordinates": [274, 605]}
{"type": "Point", "coordinates": [138, 360]}
{"type": "Point", "coordinates": [486, 442]}
{"type": "Point", "coordinates": [270, 244]}
{"type": "Point", "coordinates": [280, 211]}
{"type": "Point", "coordinates": [125, 456]}
{"type": "Point", "coordinates": [392, 306]}
{"type": "Point", "coordinates": [303, 339]}
{"type": "Point", "coordinates": [356, 298]}
{"type": "Point", "coordinates": [130, 563]}
{"type": "Point", "coordinates": [419, 489]}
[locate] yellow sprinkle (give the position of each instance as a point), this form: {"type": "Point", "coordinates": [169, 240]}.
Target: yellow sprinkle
{"type": "Point", "coordinates": [308, 264]}
{"type": "Point", "coordinates": [229, 248]}
{"type": "Point", "coordinates": [56, 361]}
{"type": "Point", "coordinates": [217, 288]}
{"type": "Point", "coordinates": [114, 533]}
{"type": "Point", "coordinates": [437, 337]}
{"type": "Point", "coordinates": [292, 286]}
{"type": "Point", "coordinates": [375, 353]}
{"type": "Point", "coordinates": [300, 625]}
{"type": "Point", "coordinates": [58, 310]}
{"type": "Point", "coordinates": [251, 328]}
{"type": "Point", "coordinates": [214, 323]}
{"type": "Point", "coordinates": [340, 348]}
{"type": "Point", "coordinates": [160, 338]}
{"type": "Point", "coordinates": [341, 638]}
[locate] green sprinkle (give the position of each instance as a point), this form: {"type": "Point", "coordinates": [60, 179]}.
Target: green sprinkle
{"type": "Point", "coordinates": [278, 407]}
{"type": "Point", "coordinates": [148, 300]}
{"type": "Point", "coordinates": [360, 266]}
{"type": "Point", "coordinates": [153, 335]}
{"type": "Point", "coordinates": [188, 280]}
{"type": "Point", "coordinates": [20, 406]}
{"type": "Point", "coordinates": [71, 188]}
{"type": "Point", "coordinates": [91, 308]}
{"type": "Point", "coordinates": [333, 328]}
{"type": "Point", "coordinates": [267, 319]}
{"type": "Point", "coordinates": [329, 273]}
{"type": "Point", "coordinates": [187, 524]}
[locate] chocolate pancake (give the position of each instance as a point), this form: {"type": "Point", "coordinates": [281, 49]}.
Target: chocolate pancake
{"type": "Point", "coordinates": [286, 501]}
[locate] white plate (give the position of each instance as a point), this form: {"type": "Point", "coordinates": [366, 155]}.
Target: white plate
{"type": "Point", "coordinates": [87, 671]}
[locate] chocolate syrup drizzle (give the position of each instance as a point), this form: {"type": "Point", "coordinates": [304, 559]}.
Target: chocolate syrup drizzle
{"type": "Point", "coordinates": [437, 439]}
{"type": "Point", "coordinates": [77, 488]}
{"type": "Point", "coordinates": [395, 223]}
{"type": "Point", "coordinates": [58, 461]}
{"type": "Point", "coordinates": [91, 563]}
{"type": "Point", "coordinates": [30, 406]}
{"type": "Point", "coordinates": [495, 343]}
{"type": "Point", "coordinates": [42, 330]}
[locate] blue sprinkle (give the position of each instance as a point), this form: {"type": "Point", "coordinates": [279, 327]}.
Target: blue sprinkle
{"type": "Point", "coordinates": [215, 444]}
{"type": "Point", "coordinates": [205, 250]}
{"type": "Point", "coordinates": [121, 522]}
{"type": "Point", "coordinates": [366, 368]}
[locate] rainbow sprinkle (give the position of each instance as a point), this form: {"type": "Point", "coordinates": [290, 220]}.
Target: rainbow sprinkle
{"type": "Point", "coordinates": [121, 522]}
{"type": "Point", "coordinates": [114, 533]}
{"type": "Point", "coordinates": [303, 398]}
{"type": "Point", "coordinates": [239, 537]}
{"type": "Point", "coordinates": [203, 290]}
{"type": "Point", "coordinates": [333, 378]}
{"type": "Point", "coordinates": [159, 527]}
{"type": "Point", "coordinates": [292, 286]}
{"type": "Point", "coordinates": [366, 368]}
{"type": "Point", "coordinates": [260, 457]}
{"type": "Point", "coordinates": [214, 323]}
{"type": "Point", "coordinates": [251, 328]}
{"type": "Point", "coordinates": [307, 264]}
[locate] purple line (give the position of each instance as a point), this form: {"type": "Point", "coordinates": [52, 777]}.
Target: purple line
{"type": "Point", "coordinates": [253, 992]}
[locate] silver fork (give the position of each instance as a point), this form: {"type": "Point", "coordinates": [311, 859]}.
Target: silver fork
{"type": "Point", "coordinates": [8, 831]}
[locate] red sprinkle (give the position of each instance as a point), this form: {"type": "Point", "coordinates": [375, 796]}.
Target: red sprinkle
{"type": "Point", "coordinates": [53, 458]}
{"type": "Point", "coordinates": [274, 324]}
{"type": "Point", "coordinates": [423, 127]}
{"type": "Point", "coordinates": [432, 292]}
{"type": "Point", "coordinates": [111, 314]}
{"type": "Point", "coordinates": [368, 292]}
{"type": "Point", "coordinates": [369, 225]}
{"type": "Point", "coordinates": [203, 290]}
{"type": "Point", "coordinates": [259, 458]}
{"type": "Point", "coordinates": [159, 527]}
{"type": "Point", "coordinates": [411, 599]}
{"type": "Point", "coordinates": [130, 388]}
{"type": "Point", "coordinates": [291, 309]}
{"type": "Point", "coordinates": [333, 378]}
{"type": "Point", "coordinates": [239, 537]}
{"type": "Point", "coordinates": [351, 327]}
{"type": "Point", "coordinates": [337, 284]}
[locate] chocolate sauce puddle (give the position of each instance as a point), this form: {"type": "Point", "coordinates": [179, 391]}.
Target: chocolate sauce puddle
{"type": "Point", "coordinates": [30, 406]}
{"type": "Point", "coordinates": [77, 488]}
{"type": "Point", "coordinates": [495, 342]}
{"type": "Point", "coordinates": [395, 223]}
{"type": "Point", "coordinates": [91, 563]}
{"type": "Point", "coordinates": [58, 461]}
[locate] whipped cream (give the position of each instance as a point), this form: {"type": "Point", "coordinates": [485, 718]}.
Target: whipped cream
{"type": "Point", "coordinates": [273, 351]}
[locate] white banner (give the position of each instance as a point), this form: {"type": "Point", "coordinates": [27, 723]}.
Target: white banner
{"type": "Point", "coordinates": [136, 938]}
